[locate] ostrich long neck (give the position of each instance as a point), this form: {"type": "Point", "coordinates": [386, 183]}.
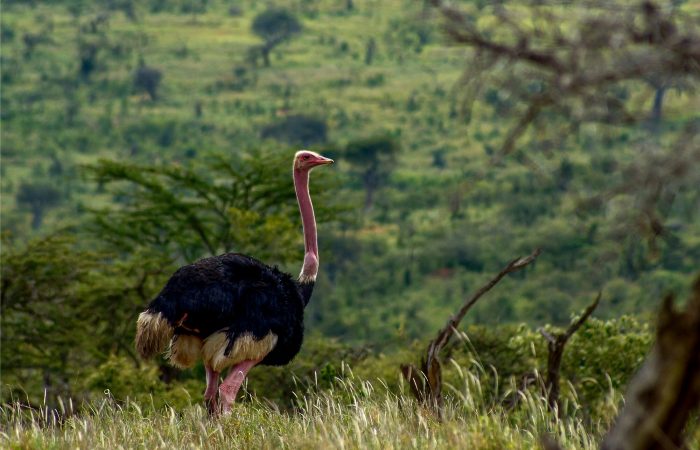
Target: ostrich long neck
{"type": "Point", "coordinates": [301, 186]}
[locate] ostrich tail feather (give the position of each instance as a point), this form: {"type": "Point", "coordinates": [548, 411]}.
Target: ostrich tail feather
{"type": "Point", "coordinates": [153, 332]}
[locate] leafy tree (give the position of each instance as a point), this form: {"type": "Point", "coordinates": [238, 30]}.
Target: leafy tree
{"type": "Point", "coordinates": [408, 34]}
{"type": "Point", "coordinates": [65, 309]}
{"type": "Point", "coordinates": [275, 26]}
{"type": "Point", "coordinates": [128, 7]}
{"type": "Point", "coordinates": [148, 79]}
{"type": "Point", "coordinates": [37, 197]}
{"type": "Point", "coordinates": [661, 85]}
{"type": "Point", "coordinates": [93, 44]}
{"type": "Point", "coordinates": [36, 304]}
{"type": "Point", "coordinates": [373, 160]}
{"type": "Point", "coordinates": [297, 129]}
{"type": "Point", "coordinates": [244, 204]}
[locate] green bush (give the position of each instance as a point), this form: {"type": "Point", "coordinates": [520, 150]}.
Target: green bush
{"type": "Point", "coordinates": [120, 379]}
{"type": "Point", "coordinates": [297, 129]}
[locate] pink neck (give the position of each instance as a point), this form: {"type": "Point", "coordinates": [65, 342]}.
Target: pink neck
{"type": "Point", "coordinates": [301, 186]}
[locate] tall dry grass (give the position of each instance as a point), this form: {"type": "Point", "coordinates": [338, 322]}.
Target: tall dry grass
{"type": "Point", "coordinates": [353, 414]}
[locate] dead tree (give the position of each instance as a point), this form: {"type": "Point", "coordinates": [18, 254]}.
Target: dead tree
{"type": "Point", "coordinates": [426, 383]}
{"type": "Point", "coordinates": [663, 394]}
{"type": "Point", "coordinates": [555, 346]}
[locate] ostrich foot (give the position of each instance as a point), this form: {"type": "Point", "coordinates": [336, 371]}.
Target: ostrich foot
{"type": "Point", "coordinates": [210, 392]}
{"type": "Point", "coordinates": [229, 388]}
{"type": "Point", "coordinates": [212, 406]}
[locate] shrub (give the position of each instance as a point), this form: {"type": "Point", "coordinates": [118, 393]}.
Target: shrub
{"type": "Point", "coordinates": [297, 130]}
{"type": "Point", "coordinates": [37, 197]}
{"type": "Point", "coordinates": [274, 26]}
{"type": "Point", "coordinates": [148, 79]}
{"type": "Point", "coordinates": [120, 379]}
{"type": "Point", "coordinates": [373, 159]}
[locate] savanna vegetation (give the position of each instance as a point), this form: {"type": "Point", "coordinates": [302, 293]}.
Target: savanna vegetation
{"type": "Point", "coordinates": [140, 136]}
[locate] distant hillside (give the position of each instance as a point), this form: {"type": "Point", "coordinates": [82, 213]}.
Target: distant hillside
{"type": "Point", "coordinates": [172, 83]}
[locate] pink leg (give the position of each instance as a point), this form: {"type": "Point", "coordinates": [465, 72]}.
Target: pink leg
{"type": "Point", "coordinates": [212, 388]}
{"type": "Point", "coordinates": [229, 388]}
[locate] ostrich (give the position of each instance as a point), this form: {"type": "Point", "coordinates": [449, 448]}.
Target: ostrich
{"type": "Point", "coordinates": [234, 311]}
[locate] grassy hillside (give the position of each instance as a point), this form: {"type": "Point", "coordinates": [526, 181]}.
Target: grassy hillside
{"type": "Point", "coordinates": [446, 215]}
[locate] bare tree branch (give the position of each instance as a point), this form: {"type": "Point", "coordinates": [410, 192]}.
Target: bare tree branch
{"type": "Point", "coordinates": [546, 335]}
{"type": "Point", "coordinates": [583, 76]}
{"type": "Point", "coordinates": [555, 346]}
{"type": "Point", "coordinates": [446, 332]}
{"type": "Point", "coordinates": [586, 314]}
{"type": "Point", "coordinates": [426, 384]}
{"type": "Point", "coordinates": [530, 115]}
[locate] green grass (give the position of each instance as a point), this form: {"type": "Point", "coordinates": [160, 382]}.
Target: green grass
{"type": "Point", "coordinates": [354, 415]}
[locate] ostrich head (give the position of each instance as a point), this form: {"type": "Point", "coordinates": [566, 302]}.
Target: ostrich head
{"type": "Point", "coordinates": [305, 160]}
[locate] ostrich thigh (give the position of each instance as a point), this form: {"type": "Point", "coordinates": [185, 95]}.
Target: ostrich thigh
{"type": "Point", "coordinates": [185, 350]}
{"type": "Point", "coordinates": [245, 347]}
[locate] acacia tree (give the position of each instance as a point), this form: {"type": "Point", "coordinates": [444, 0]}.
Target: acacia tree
{"type": "Point", "coordinates": [244, 204]}
{"type": "Point", "coordinates": [65, 310]}
{"type": "Point", "coordinates": [148, 79]}
{"type": "Point", "coordinates": [69, 304]}
{"type": "Point", "coordinates": [297, 129]}
{"type": "Point", "coordinates": [373, 159]}
{"type": "Point", "coordinates": [38, 197]}
{"type": "Point", "coordinates": [274, 26]}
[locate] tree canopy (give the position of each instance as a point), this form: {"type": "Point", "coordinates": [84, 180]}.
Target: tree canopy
{"type": "Point", "coordinates": [274, 26]}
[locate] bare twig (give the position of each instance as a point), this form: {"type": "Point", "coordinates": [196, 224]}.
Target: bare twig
{"type": "Point", "coordinates": [546, 335]}
{"type": "Point", "coordinates": [446, 332]}
{"type": "Point", "coordinates": [586, 314]}
{"type": "Point", "coordinates": [555, 346]}
{"type": "Point", "coordinates": [530, 115]}
{"type": "Point", "coordinates": [426, 384]}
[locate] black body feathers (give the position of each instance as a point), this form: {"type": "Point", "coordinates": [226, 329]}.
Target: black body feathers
{"type": "Point", "coordinates": [237, 294]}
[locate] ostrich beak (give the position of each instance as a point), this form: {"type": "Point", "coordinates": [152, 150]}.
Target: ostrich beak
{"type": "Point", "coordinates": [322, 161]}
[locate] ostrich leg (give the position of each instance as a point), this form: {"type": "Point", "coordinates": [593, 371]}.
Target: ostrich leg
{"type": "Point", "coordinates": [229, 388]}
{"type": "Point", "coordinates": [212, 388]}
